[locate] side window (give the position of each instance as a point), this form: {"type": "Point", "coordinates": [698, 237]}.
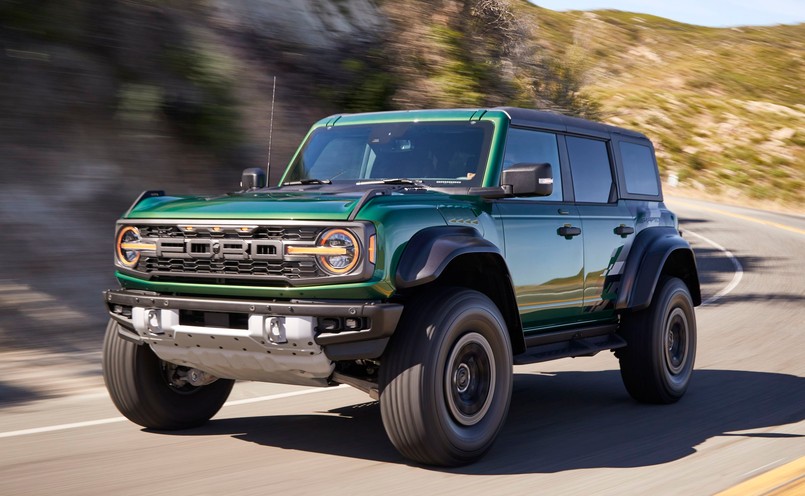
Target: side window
{"type": "Point", "coordinates": [589, 165]}
{"type": "Point", "coordinates": [535, 147]}
{"type": "Point", "coordinates": [639, 170]}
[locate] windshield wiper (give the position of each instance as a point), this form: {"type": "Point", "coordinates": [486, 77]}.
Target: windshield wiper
{"type": "Point", "coordinates": [396, 180]}
{"type": "Point", "coordinates": [304, 182]}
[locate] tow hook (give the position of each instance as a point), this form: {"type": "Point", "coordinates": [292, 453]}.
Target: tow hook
{"type": "Point", "coordinates": [192, 376]}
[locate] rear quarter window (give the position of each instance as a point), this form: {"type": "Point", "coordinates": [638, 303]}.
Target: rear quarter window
{"type": "Point", "coordinates": [591, 170]}
{"type": "Point", "coordinates": [639, 170]}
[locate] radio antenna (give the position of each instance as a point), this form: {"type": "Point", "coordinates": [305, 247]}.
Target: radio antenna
{"type": "Point", "coordinates": [270, 132]}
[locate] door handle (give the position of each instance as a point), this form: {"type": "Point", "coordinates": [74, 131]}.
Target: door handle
{"type": "Point", "coordinates": [568, 231]}
{"type": "Point", "coordinates": [623, 230]}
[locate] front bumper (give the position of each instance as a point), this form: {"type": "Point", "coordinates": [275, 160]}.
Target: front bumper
{"type": "Point", "coordinates": [274, 341]}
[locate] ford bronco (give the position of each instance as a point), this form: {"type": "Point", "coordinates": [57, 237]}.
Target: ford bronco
{"type": "Point", "coordinates": [417, 256]}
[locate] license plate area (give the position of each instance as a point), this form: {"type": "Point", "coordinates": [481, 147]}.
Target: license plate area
{"type": "Point", "coordinates": [229, 320]}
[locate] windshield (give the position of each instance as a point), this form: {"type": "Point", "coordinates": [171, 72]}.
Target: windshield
{"type": "Point", "coordinates": [447, 154]}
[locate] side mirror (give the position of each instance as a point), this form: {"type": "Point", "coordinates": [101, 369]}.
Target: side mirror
{"type": "Point", "coordinates": [252, 178]}
{"type": "Point", "coordinates": [528, 179]}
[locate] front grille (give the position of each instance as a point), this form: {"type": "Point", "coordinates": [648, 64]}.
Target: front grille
{"type": "Point", "coordinates": [174, 268]}
{"type": "Point", "coordinates": [236, 252]}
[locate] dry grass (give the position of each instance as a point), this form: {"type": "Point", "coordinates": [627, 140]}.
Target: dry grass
{"type": "Point", "coordinates": [725, 107]}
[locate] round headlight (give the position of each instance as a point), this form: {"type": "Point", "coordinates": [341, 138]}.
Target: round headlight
{"type": "Point", "coordinates": [128, 235]}
{"type": "Point", "coordinates": [345, 251]}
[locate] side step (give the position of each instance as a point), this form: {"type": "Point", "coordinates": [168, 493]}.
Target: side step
{"type": "Point", "coordinates": [576, 342]}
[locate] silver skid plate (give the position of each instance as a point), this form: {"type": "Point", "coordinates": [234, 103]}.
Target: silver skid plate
{"type": "Point", "coordinates": [271, 349]}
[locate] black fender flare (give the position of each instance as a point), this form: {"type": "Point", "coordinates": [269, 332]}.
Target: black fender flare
{"type": "Point", "coordinates": [656, 249]}
{"type": "Point", "coordinates": [432, 249]}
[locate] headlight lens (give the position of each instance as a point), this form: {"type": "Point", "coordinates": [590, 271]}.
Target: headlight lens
{"type": "Point", "coordinates": [128, 237]}
{"type": "Point", "coordinates": [344, 248]}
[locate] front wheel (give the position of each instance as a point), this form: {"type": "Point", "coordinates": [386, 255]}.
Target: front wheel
{"type": "Point", "coordinates": [446, 378]}
{"type": "Point", "coordinates": [657, 363]}
{"type": "Point", "coordinates": [145, 390]}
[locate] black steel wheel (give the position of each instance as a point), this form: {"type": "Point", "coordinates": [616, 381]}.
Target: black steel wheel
{"type": "Point", "coordinates": [446, 378]}
{"type": "Point", "coordinates": [145, 390]}
{"type": "Point", "coordinates": [657, 364]}
{"type": "Point", "coordinates": [469, 380]}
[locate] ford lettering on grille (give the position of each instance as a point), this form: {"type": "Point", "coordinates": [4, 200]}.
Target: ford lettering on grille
{"type": "Point", "coordinates": [220, 249]}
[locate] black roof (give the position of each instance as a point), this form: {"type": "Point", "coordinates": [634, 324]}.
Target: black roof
{"type": "Point", "coordinates": [559, 122]}
{"type": "Point", "coordinates": [520, 117]}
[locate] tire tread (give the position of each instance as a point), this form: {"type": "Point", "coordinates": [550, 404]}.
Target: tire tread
{"type": "Point", "coordinates": [132, 377]}
{"type": "Point", "coordinates": [641, 368]}
{"type": "Point", "coordinates": [406, 420]}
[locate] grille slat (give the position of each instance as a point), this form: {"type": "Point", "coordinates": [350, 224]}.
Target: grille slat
{"type": "Point", "coordinates": [289, 233]}
{"type": "Point", "coordinates": [290, 269]}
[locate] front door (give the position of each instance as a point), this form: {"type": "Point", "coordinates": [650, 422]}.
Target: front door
{"type": "Point", "coordinates": [545, 256]}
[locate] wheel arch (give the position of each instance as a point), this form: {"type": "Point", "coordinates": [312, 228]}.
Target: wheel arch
{"type": "Point", "coordinates": [655, 252]}
{"type": "Point", "coordinates": [459, 256]}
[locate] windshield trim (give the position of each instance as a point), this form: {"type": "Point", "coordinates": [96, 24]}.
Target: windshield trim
{"type": "Point", "coordinates": [478, 167]}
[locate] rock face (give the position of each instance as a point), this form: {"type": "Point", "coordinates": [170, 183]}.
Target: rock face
{"type": "Point", "coordinates": [94, 99]}
{"type": "Point", "coordinates": [309, 25]}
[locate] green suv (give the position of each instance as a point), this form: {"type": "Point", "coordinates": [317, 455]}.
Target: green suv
{"type": "Point", "coordinates": [416, 256]}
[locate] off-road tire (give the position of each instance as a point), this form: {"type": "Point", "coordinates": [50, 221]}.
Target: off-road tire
{"type": "Point", "coordinates": [657, 364]}
{"type": "Point", "coordinates": [137, 383]}
{"type": "Point", "coordinates": [446, 378]}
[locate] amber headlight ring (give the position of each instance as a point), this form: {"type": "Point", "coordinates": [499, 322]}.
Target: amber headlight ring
{"type": "Point", "coordinates": [126, 246]}
{"type": "Point", "coordinates": [345, 251]}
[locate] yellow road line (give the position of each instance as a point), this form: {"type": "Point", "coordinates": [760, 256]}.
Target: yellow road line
{"type": "Point", "coordinates": [788, 480]}
{"type": "Point", "coordinates": [738, 216]}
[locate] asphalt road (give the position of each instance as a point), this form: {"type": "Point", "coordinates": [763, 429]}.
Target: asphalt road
{"type": "Point", "coordinates": [572, 429]}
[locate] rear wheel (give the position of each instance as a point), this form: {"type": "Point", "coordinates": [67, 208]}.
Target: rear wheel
{"type": "Point", "coordinates": [657, 364]}
{"type": "Point", "coordinates": [446, 378]}
{"type": "Point", "coordinates": [147, 391]}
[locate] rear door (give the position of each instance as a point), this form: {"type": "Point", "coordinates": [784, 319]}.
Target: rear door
{"type": "Point", "coordinates": [607, 223]}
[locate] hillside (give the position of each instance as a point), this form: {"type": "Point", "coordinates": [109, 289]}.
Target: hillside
{"type": "Point", "coordinates": [725, 107]}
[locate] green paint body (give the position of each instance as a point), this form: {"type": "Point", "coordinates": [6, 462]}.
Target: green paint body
{"type": "Point", "coordinates": [558, 281]}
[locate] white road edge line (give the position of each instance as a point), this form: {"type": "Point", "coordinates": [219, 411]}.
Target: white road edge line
{"type": "Point", "coordinates": [761, 468]}
{"type": "Point", "coordinates": [90, 423]}
{"type": "Point", "coordinates": [62, 427]}
{"type": "Point", "coordinates": [279, 396]}
{"type": "Point", "coordinates": [737, 276]}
